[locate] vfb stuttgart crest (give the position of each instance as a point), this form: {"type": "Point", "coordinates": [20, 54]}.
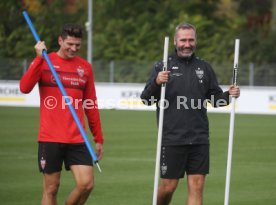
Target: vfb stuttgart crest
{"type": "Point", "coordinates": [199, 73]}
{"type": "Point", "coordinates": [42, 163]}
{"type": "Point", "coordinates": [164, 169]}
{"type": "Point", "coordinates": [80, 71]}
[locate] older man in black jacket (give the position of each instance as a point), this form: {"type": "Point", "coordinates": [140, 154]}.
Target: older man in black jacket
{"type": "Point", "coordinates": [191, 83]}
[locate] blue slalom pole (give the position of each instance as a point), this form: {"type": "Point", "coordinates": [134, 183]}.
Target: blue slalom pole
{"type": "Point", "coordinates": [64, 94]}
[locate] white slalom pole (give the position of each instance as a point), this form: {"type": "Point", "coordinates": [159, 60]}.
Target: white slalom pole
{"type": "Point", "coordinates": [231, 129]}
{"type": "Point", "coordinates": [160, 124]}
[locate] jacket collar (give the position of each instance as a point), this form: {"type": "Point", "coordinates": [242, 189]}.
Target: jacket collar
{"type": "Point", "coordinates": [185, 59]}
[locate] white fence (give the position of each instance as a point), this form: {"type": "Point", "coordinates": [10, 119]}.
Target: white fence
{"type": "Point", "coordinates": [253, 100]}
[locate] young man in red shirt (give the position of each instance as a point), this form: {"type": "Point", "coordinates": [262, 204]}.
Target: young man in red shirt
{"type": "Point", "coordinates": [59, 139]}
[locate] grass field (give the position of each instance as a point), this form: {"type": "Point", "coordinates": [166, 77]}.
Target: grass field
{"type": "Point", "coordinates": [129, 160]}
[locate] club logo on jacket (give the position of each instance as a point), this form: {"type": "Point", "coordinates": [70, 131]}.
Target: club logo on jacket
{"type": "Point", "coordinates": [200, 74]}
{"type": "Point", "coordinates": [80, 71]}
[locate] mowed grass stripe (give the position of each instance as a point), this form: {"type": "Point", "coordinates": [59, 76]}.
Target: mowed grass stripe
{"type": "Point", "coordinates": [129, 160]}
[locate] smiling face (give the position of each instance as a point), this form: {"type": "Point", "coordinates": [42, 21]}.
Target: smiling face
{"type": "Point", "coordinates": [185, 42]}
{"type": "Point", "coordinates": [69, 47]}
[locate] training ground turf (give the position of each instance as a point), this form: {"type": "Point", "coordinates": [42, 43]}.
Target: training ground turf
{"type": "Point", "coordinates": [129, 160]}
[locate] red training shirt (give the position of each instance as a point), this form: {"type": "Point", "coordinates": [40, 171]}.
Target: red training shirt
{"type": "Point", "coordinates": [56, 121]}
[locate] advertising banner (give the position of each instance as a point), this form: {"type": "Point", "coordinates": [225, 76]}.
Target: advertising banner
{"type": "Point", "coordinates": [253, 100]}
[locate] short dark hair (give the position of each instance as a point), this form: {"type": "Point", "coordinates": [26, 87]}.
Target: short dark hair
{"type": "Point", "coordinates": [71, 29]}
{"type": "Point", "coordinates": [185, 25]}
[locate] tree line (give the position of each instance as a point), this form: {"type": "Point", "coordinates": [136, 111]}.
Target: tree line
{"type": "Point", "coordinates": [134, 31]}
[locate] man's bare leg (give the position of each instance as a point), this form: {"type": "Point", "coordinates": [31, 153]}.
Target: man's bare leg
{"type": "Point", "coordinates": [84, 184]}
{"type": "Point", "coordinates": [50, 188]}
{"type": "Point", "coordinates": [195, 189]}
{"type": "Point", "coordinates": [166, 190]}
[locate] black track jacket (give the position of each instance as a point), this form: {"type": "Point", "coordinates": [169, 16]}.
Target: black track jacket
{"type": "Point", "coordinates": [191, 84]}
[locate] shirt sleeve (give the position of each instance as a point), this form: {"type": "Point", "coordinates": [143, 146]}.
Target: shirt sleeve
{"type": "Point", "coordinates": [32, 75]}
{"type": "Point", "coordinates": [215, 94]}
{"type": "Point", "coordinates": [92, 112]}
{"type": "Point", "coordinates": [151, 92]}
